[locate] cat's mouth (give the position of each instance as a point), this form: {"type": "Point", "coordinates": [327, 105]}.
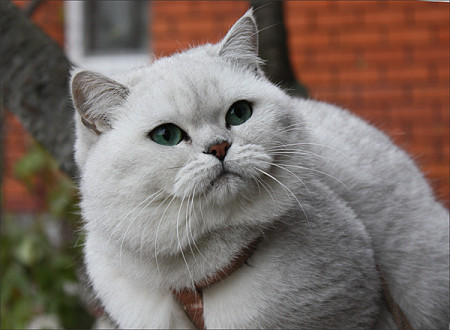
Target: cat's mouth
{"type": "Point", "coordinates": [225, 177]}
{"type": "Point", "coordinates": [225, 187]}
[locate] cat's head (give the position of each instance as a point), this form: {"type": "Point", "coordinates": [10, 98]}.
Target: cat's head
{"type": "Point", "coordinates": [193, 143]}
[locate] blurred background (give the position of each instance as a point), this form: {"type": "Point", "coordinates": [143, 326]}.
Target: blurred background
{"type": "Point", "coordinates": [386, 61]}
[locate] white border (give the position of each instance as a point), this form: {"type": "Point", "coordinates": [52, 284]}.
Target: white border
{"type": "Point", "coordinates": [74, 46]}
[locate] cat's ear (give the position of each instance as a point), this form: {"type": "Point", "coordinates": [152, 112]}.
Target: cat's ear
{"type": "Point", "coordinates": [240, 45]}
{"type": "Point", "coordinates": [96, 99]}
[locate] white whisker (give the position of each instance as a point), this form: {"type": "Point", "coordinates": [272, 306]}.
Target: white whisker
{"type": "Point", "coordinates": [157, 230]}
{"type": "Point", "coordinates": [285, 169]}
{"type": "Point", "coordinates": [190, 231]}
{"type": "Point", "coordinates": [179, 243]}
{"type": "Point", "coordinates": [125, 217]}
{"type": "Point", "coordinates": [264, 186]}
{"type": "Point", "coordinates": [287, 190]}
{"type": "Point", "coordinates": [300, 153]}
{"type": "Point", "coordinates": [188, 223]}
{"type": "Point", "coordinates": [132, 222]}
{"type": "Point", "coordinates": [317, 171]}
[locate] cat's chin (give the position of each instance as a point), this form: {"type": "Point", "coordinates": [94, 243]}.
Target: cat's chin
{"type": "Point", "coordinates": [225, 188]}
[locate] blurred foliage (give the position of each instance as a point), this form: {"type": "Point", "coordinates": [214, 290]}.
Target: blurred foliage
{"type": "Point", "coordinates": [40, 254]}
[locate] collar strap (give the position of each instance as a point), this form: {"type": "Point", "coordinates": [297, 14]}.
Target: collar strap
{"type": "Point", "coordinates": [192, 299]}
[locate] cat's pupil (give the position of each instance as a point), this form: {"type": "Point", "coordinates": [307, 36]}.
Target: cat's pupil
{"type": "Point", "coordinates": [166, 134]}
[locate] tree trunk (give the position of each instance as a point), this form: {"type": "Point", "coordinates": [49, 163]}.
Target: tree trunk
{"type": "Point", "coordinates": [273, 47]}
{"type": "Point", "coordinates": [34, 84]}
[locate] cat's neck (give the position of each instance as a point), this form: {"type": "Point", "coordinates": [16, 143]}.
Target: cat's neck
{"type": "Point", "coordinates": [200, 260]}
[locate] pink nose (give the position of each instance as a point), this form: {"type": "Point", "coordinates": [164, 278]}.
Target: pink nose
{"type": "Point", "coordinates": [219, 150]}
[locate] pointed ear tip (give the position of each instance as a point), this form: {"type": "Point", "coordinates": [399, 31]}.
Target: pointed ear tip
{"type": "Point", "coordinates": [249, 12]}
{"type": "Point", "coordinates": [250, 15]}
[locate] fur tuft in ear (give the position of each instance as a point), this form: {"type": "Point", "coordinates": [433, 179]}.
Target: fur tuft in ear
{"type": "Point", "coordinates": [240, 45]}
{"type": "Point", "coordinates": [95, 97]}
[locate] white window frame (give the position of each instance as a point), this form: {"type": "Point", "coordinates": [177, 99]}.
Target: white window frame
{"type": "Point", "coordinates": [74, 46]}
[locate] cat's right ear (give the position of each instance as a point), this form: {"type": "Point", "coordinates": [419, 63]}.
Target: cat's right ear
{"type": "Point", "coordinates": [240, 45]}
{"type": "Point", "coordinates": [96, 98]}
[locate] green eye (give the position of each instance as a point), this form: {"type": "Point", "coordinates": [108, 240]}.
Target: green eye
{"type": "Point", "coordinates": [238, 113]}
{"type": "Point", "coordinates": [167, 135]}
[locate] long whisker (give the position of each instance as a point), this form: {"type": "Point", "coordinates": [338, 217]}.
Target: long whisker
{"type": "Point", "coordinates": [321, 145]}
{"type": "Point", "coordinates": [130, 225]}
{"type": "Point", "coordinates": [292, 128]}
{"type": "Point", "coordinates": [265, 187]}
{"type": "Point", "coordinates": [287, 190]}
{"type": "Point", "coordinates": [188, 223]}
{"type": "Point", "coordinates": [190, 230]}
{"type": "Point", "coordinates": [157, 230]}
{"type": "Point", "coordinates": [300, 153]}
{"type": "Point", "coordinates": [126, 216]}
{"type": "Point", "coordinates": [285, 169]}
{"type": "Point", "coordinates": [317, 171]}
{"type": "Point", "coordinates": [144, 230]}
{"type": "Point", "coordinates": [179, 243]}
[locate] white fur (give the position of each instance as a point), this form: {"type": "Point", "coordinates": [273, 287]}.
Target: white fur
{"type": "Point", "coordinates": [330, 195]}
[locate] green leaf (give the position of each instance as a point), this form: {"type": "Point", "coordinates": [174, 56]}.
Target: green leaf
{"type": "Point", "coordinates": [32, 162]}
{"type": "Point", "coordinates": [25, 252]}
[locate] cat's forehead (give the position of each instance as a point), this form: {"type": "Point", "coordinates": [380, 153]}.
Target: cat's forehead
{"type": "Point", "coordinates": [186, 86]}
{"type": "Point", "coordinates": [186, 76]}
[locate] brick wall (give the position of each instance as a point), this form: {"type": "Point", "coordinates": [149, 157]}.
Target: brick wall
{"type": "Point", "coordinates": [387, 61]}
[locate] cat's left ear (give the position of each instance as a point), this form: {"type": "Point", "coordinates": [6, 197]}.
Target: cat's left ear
{"type": "Point", "coordinates": [240, 45]}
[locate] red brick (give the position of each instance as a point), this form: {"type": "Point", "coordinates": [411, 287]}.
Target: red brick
{"type": "Point", "coordinates": [411, 36]}
{"type": "Point", "coordinates": [376, 18]}
{"type": "Point", "coordinates": [190, 30]}
{"type": "Point", "coordinates": [438, 55]}
{"type": "Point", "coordinates": [341, 58]}
{"type": "Point", "coordinates": [413, 74]}
{"type": "Point", "coordinates": [361, 37]}
{"type": "Point", "coordinates": [343, 21]}
{"type": "Point", "coordinates": [291, 6]}
{"type": "Point", "coordinates": [439, 92]}
{"type": "Point", "coordinates": [432, 13]}
{"type": "Point", "coordinates": [344, 96]}
{"type": "Point", "coordinates": [321, 78]}
{"type": "Point", "coordinates": [359, 76]}
{"type": "Point", "coordinates": [443, 35]}
{"type": "Point", "coordinates": [402, 5]}
{"type": "Point", "coordinates": [442, 74]}
{"type": "Point", "coordinates": [161, 29]}
{"type": "Point", "coordinates": [390, 56]}
{"type": "Point", "coordinates": [343, 6]}
{"type": "Point", "coordinates": [391, 93]}
{"type": "Point", "coordinates": [300, 21]}
{"type": "Point", "coordinates": [312, 41]}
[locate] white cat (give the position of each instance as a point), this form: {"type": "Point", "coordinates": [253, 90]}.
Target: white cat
{"type": "Point", "coordinates": [186, 162]}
